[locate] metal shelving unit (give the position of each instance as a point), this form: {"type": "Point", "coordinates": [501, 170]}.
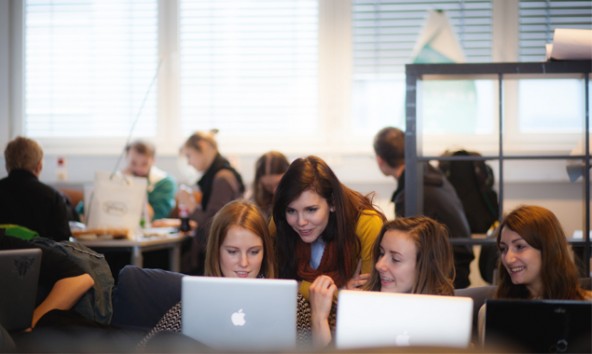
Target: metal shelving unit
{"type": "Point", "coordinates": [414, 158]}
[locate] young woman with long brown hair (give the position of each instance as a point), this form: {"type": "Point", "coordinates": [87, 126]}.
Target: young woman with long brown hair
{"type": "Point", "coordinates": [411, 255]}
{"type": "Point", "coordinates": [323, 227]}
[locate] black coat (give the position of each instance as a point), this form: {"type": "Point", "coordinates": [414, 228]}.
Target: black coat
{"type": "Point", "coordinates": [26, 201]}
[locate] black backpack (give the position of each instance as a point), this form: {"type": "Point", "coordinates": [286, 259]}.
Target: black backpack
{"type": "Point", "coordinates": [473, 182]}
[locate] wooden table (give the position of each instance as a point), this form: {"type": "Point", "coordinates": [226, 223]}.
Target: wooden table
{"type": "Point", "coordinates": [141, 244]}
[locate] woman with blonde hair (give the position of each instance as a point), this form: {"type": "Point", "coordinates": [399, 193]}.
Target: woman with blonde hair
{"type": "Point", "coordinates": [239, 246]}
{"type": "Point", "coordinates": [219, 184]}
{"type": "Point", "coordinates": [238, 220]}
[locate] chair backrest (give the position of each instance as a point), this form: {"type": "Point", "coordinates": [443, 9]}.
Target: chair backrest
{"type": "Point", "coordinates": [479, 295]}
{"type": "Point", "coordinates": [143, 296]}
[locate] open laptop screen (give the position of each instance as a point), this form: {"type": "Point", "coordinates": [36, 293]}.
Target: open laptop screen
{"type": "Point", "coordinates": [19, 276]}
{"type": "Point", "coordinates": [539, 326]}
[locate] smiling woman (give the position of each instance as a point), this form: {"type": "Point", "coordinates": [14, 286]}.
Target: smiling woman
{"type": "Point", "coordinates": [410, 255]}
{"type": "Point", "coordinates": [323, 227]}
{"type": "Point", "coordinates": [239, 246]}
{"type": "Point", "coordinates": [535, 258]}
{"type": "Point", "coordinates": [536, 262]}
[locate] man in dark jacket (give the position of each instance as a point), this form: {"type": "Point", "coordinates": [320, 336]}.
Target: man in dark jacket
{"type": "Point", "coordinates": [440, 201]}
{"type": "Point", "coordinates": [26, 201]}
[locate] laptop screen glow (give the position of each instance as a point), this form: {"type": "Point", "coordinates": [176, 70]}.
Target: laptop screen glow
{"type": "Point", "coordinates": [373, 319]}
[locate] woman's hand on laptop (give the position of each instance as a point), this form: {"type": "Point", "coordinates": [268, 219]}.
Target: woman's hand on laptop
{"type": "Point", "coordinates": [322, 291]}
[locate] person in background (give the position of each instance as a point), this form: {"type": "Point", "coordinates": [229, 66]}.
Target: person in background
{"type": "Point", "coordinates": [410, 255]}
{"type": "Point", "coordinates": [440, 200]}
{"type": "Point", "coordinates": [219, 184]}
{"type": "Point", "coordinates": [323, 227]}
{"type": "Point", "coordinates": [26, 201]}
{"type": "Point", "coordinates": [239, 246]}
{"type": "Point", "coordinates": [536, 262]}
{"type": "Point", "coordinates": [140, 156]}
{"type": "Point", "coordinates": [269, 169]}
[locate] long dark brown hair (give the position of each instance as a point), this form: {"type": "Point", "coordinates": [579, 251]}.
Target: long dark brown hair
{"type": "Point", "coordinates": [434, 263]}
{"type": "Point", "coordinates": [312, 173]}
{"type": "Point", "coordinates": [270, 163]}
{"type": "Point", "coordinates": [541, 229]}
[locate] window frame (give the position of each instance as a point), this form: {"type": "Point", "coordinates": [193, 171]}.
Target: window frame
{"type": "Point", "coordinates": [335, 135]}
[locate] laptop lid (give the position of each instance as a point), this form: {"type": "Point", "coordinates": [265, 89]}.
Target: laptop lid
{"type": "Point", "coordinates": [539, 326]}
{"type": "Point", "coordinates": [374, 319]}
{"type": "Point", "coordinates": [19, 275]}
{"type": "Point", "coordinates": [240, 314]}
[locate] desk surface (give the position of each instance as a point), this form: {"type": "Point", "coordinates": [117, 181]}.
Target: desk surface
{"type": "Point", "coordinates": [170, 241]}
{"type": "Point", "coordinates": [164, 237]}
{"type": "Point", "coordinates": [142, 241]}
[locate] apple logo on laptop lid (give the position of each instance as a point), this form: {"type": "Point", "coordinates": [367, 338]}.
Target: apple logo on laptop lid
{"type": "Point", "coordinates": [238, 318]}
{"type": "Point", "coordinates": [403, 339]}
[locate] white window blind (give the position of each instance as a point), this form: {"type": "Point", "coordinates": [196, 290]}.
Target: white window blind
{"type": "Point", "coordinates": [539, 19]}
{"type": "Point", "coordinates": [385, 32]}
{"type": "Point", "coordinates": [249, 66]}
{"type": "Point", "coordinates": [88, 67]}
{"type": "Point", "coordinates": [384, 35]}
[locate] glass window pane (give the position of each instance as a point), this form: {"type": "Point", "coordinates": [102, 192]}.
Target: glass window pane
{"type": "Point", "coordinates": [88, 67]}
{"type": "Point", "coordinates": [249, 66]}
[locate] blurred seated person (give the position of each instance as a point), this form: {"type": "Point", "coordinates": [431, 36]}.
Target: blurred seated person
{"type": "Point", "coordinates": [26, 201]}
{"type": "Point", "coordinates": [220, 183]}
{"type": "Point", "coordinates": [140, 157]}
{"type": "Point", "coordinates": [269, 169]}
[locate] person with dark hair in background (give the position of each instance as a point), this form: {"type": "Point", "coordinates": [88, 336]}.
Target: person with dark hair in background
{"type": "Point", "coordinates": [26, 201]}
{"type": "Point", "coordinates": [440, 201]}
{"type": "Point", "coordinates": [269, 169]}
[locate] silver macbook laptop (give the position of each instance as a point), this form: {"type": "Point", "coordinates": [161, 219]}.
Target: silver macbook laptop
{"type": "Point", "coordinates": [373, 319]}
{"type": "Point", "coordinates": [19, 275]}
{"type": "Point", "coordinates": [240, 314]}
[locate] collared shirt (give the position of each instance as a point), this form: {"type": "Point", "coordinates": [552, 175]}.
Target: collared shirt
{"type": "Point", "coordinates": [317, 249]}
